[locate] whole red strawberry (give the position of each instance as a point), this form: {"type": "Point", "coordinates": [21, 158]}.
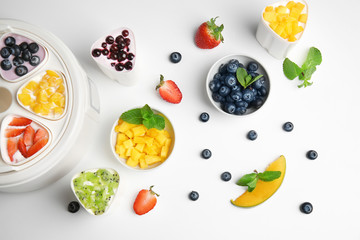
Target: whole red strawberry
{"type": "Point", "coordinates": [145, 201]}
{"type": "Point", "coordinates": [209, 35]}
{"type": "Point", "coordinates": [169, 91]}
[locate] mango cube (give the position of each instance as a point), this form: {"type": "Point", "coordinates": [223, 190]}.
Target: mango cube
{"type": "Point", "coordinates": [139, 140]}
{"type": "Point", "coordinates": [129, 133]}
{"type": "Point", "coordinates": [120, 138]}
{"type": "Point", "coordinates": [281, 9]}
{"type": "Point", "coordinates": [164, 152]}
{"type": "Point", "coordinates": [150, 159]}
{"type": "Point", "coordinates": [135, 154]}
{"type": "Point", "coordinates": [140, 147]}
{"type": "Point", "coordinates": [303, 18]}
{"type": "Point", "coordinates": [290, 4]}
{"type": "Point", "coordinates": [139, 130]}
{"type": "Point", "coordinates": [143, 163]}
{"type": "Point", "coordinates": [124, 126]}
{"type": "Point", "coordinates": [128, 143]}
{"type": "Point", "coordinates": [25, 99]}
{"type": "Point", "coordinates": [269, 16]}
{"type": "Point", "coordinates": [132, 162]}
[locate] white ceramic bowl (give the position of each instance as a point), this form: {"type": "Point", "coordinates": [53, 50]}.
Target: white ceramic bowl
{"type": "Point", "coordinates": [168, 127]}
{"type": "Point", "coordinates": [112, 171]}
{"type": "Point", "coordinates": [244, 60]}
{"type": "Point", "coordinates": [277, 46]}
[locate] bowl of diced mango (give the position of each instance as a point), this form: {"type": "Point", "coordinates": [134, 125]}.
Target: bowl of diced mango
{"type": "Point", "coordinates": [281, 26]}
{"type": "Point", "coordinates": [139, 147]}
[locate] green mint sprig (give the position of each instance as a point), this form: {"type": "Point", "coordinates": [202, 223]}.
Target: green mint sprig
{"type": "Point", "coordinates": [144, 116]}
{"type": "Point", "coordinates": [292, 70]}
{"type": "Point", "coordinates": [250, 180]}
{"type": "Point", "coordinates": [244, 78]}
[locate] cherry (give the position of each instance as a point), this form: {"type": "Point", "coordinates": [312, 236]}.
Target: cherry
{"type": "Point", "coordinates": [119, 67]}
{"type": "Point", "coordinates": [114, 48]}
{"type": "Point", "coordinates": [113, 64]}
{"type": "Point", "coordinates": [119, 39]}
{"type": "Point", "coordinates": [125, 33]}
{"type": "Point", "coordinates": [122, 45]}
{"type": "Point", "coordinates": [105, 51]}
{"type": "Point", "coordinates": [122, 56]}
{"type": "Point", "coordinates": [114, 56]}
{"type": "Point", "coordinates": [128, 65]}
{"type": "Point", "coordinates": [104, 44]}
{"type": "Point", "coordinates": [109, 39]}
{"type": "Point", "coordinates": [127, 41]}
{"type": "Point", "coordinates": [96, 52]}
{"type": "Point", "coordinates": [130, 56]}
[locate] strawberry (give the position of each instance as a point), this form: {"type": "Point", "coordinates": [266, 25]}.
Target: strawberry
{"type": "Point", "coordinates": [11, 148]}
{"type": "Point", "coordinates": [13, 132]}
{"type": "Point", "coordinates": [40, 133]}
{"type": "Point", "coordinates": [145, 201]}
{"type": "Point", "coordinates": [29, 136]}
{"type": "Point", "coordinates": [169, 91]}
{"type": "Point", "coordinates": [20, 121]}
{"type": "Point", "coordinates": [22, 147]}
{"type": "Point", "coordinates": [209, 35]}
{"type": "Point", "coordinates": [37, 146]}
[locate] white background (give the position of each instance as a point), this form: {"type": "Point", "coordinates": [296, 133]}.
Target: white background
{"type": "Point", "coordinates": [325, 117]}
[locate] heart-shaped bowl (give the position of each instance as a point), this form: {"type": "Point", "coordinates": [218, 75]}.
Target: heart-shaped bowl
{"type": "Point", "coordinates": [267, 33]}
{"type": "Point", "coordinates": [219, 78]}
{"type": "Point", "coordinates": [141, 149]}
{"type": "Point", "coordinates": [96, 189]}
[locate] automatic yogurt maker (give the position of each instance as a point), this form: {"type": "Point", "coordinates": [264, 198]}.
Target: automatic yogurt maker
{"type": "Point", "coordinates": [68, 128]}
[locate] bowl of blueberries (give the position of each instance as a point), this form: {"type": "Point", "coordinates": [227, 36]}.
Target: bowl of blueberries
{"type": "Point", "coordinates": [237, 85]}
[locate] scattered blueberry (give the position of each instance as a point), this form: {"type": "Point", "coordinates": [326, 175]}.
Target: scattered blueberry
{"type": "Point", "coordinates": [306, 207]}
{"type": "Point", "coordinates": [5, 52]}
{"type": "Point", "coordinates": [9, 41]}
{"type": "Point", "coordinates": [252, 135]}
{"type": "Point", "coordinates": [312, 155]}
{"type": "Point", "coordinates": [226, 176]}
{"type": "Point", "coordinates": [33, 47]}
{"type": "Point", "coordinates": [193, 195]}
{"type": "Point", "coordinates": [34, 60]}
{"type": "Point", "coordinates": [175, 57]}
{"type": "Point", "coordinates": [206, 153]}
{"type": "Point", "coordinates": [73, 207]}
{"type": "Point", "coordinates": [21, 70]}
{"type": "Point", "coordinates": [288, 126]}
{"type": "Point", "coordinates": [6, 64]}
{"type": "Point", "coordinates": [252, 67]}
{"type": "Point", "coordinates": [204, 117]}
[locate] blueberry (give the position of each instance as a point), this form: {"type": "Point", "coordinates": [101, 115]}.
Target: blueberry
{"type": "Point", "coordinates": [234, 61]}
{"type": "Point", "coordinates": [236, 87]}
{"type": "Point", "coordinates": [9, 41]}
{"type": "Point", "coordinates": [252, 67]}
{"type": "Point", "coordinates": [248, 95]}
{"type": "Point", "coordinates": [236, 95]}
{"type": "Point", "coordinates": [306, 207]}
{"type": "Point", "coordinates": [33, 47]}
{"type": "Point", "coordinates": [206, 153]}
{"type": "Point", "coordinates": [193, 195]}
{"type": "Point", "coordinates": [253, 74]}
{"type": "Point", "coordinates": [242, 104]}
{"type": "Point", "coordinates": [204, 117]}
{"type": "Point", "coordinates": [175, 57]}
{"type": "Point", "coordinates": [226, 176]}
{"type": "Point", "coordinates": [217, 97]}
{"type": "Point", "coordinates": [240, 111]}
{"type": "Point", "coordinates": [223, 68]}
{"type": "Point", "coordinates": [288, 126]}
{"type": "Point", "coordinates": [17, 61]}
{"type": "Point", "coordinates": [257, 103]}
{"type": "Point", "coordinates": [21, 70]}
{"type": "Point", "coordinates": [229, 99]}
{"type": "Point", "coordinates": [23, 46]}
{"type": "Point", "coordinates": [262, 91]}
{"type": "Point", "coordinates": [312, 155]}
{"type": "Point", "coordinates": [224, 91]}
{"type": "Point", "coordinates": [34, 61]}
{"type": "Point", "coordinates": [6, 64]}
{"type": "Point", "coordinates": [16, 50]}
{"type": "Point", "coordinates": [232, 67]}
{"type": "Point", "coordinates": [26, 55]}
{"type": "Point", "coordinates": [214, 85]}
{"type": "Point", "coordinates": [230, 81]}
{"type": "Point", "coordinates": [259, 83]}
{"type": "Point", "coordinates": [252, 135]}
{"type": "Point", "coordinates": [230, 107]}
{"type": "Point", "coordinates": [217, 76]}
{"type": "Point", "coordinates": [5, 52]}
{"type": "Point", "coordinates": [73, 207]}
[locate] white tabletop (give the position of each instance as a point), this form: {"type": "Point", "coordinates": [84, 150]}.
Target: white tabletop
{"type": "Point", "coordinates": [325, 117]}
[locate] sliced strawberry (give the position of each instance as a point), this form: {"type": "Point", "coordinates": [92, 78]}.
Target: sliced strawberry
{"type": "Point", "coordinates": [209, 35]}
{"type": "Point", "coordinates": [13, 132]}
{"type": "Point", "coordinates": [12, 147]}
{"type": "Point", "coordinates": [169, 91]}
{"type": "Point", "coordinates": [145, 201]}
{"type": "Point", "coordinates": [20, 121]}
{"type": "Point", "coordinates": [40, 133]}
{"type": "Point", "coordinates": [29, 134]}
{"type": "Point", "coordinates": [37, 146]}
{"type": "Point", "coordinates": [22, 147]}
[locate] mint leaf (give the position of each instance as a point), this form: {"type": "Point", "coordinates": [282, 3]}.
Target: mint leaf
{"type": "Point", "coordinates": [313, 58]}
{"type": "Point", "coordinates": [240, 75]}
{"type": "Point", "coordinates": [133, 116]}
{"type": "Point", "coordinates": [269, 176]}
{"type": "Point", "coordinates": [159, 122]}
{"type": "Point", "coordinates": [146, 112]}
{"type": "Point", "coordinates": [149, 123]}
{"type": "Point", "coordinates": [246, 179]}
{"type": "Point", "coordinates": [255, 79]}
{"type": "Point", "coordinates": [291, 69]}
{"type": "Point", "coordinates": [306, 74]}
{"type": "Point", "coordinates": [251, 185]}
{"type": "Point", "coordinates": [248, 79]}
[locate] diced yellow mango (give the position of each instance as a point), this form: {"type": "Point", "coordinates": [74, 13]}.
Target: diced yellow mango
{"type": "Point", "coordinates": [164, 152]}
{"type": "Point", "coordinates": [140, 147]}
{"type": "Point", "coordinates": [295, 13]}
{"type": "Point", "coordinates": [128, 143]}
{"type": "Point", "coordinates": [151, 150]}
{"type": "Point", "coordinates": [299, 6]}
{"type": "Point", "coordinates": [132, 162]}
{"type": "Point", "coordinates": [269, 16]}
{"type": "Point", "coordinates": [269, 9]}
{"type": "Point", "coordinates": [149, 140]}
{"type": "Point", "coordinates": [128, 152]}
{"type": "Point", "coordinates": [161, 138]}
{"type": "Point", "coordinates": [280, 29]}
{"type": "Point", "coordinates": [25, 99]}
{"type": "Point", "coordinates": [124, 126]}
{"type": "Point", "coordinates": [282, 17]}
{"type": "Point", "coordinates": [120, 138]}
{"type": "Point", "coordinates": [150, 159]}
{"type": "Point", "coordinates": [290, 4]}
{"type": "Point", "coordinates": [168, 142]}
{"type": "Point", "coordinates": [42, 96]}
{"type": "Point", "coordinates": [43, 84]}
{"type": "Point", "coordinates": [303, 18]}
{"type": "Point", "coordinates": [61, 88]}
{"type": "Point", "coordinates": [129, 133]}
{"type": "Point", "coordinates": [139, 140]}
{"type": "Point", "coordinates": [121, 151]}
{"type": "Point", "coordinates": [32, 85]}
{"type": "Point", "coordinates": [292, 38]}
{"type": "Point", "coordinates": [297, 29]}
{"type": "Point", "coordinates": [46, 107]}
{"type": "Point", "coordinates": [281, 9]}
{"type": "Point", "coordinates": [52, 73]}
{"type": "Point", "coordinates": [288, 28]}
{"type": "Point", "coordinates": [135, 154]}
{"type": "Point", "coordinates": [37, 108]}
{"type": "Point", "coordinates": [139, 130]}
{"type": "Point", "coordinates": [58, 110]}
{"type": "Point", "coordinates": [58, 99]}
{"type": "Point", "coordinates": [273, 25]}
{"type": "Point", "coordinates": [50, 91]}
{"type": "Point", "coordinates": [143, 163]}
{"type": "Point", "coordinates": [153, 132]}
